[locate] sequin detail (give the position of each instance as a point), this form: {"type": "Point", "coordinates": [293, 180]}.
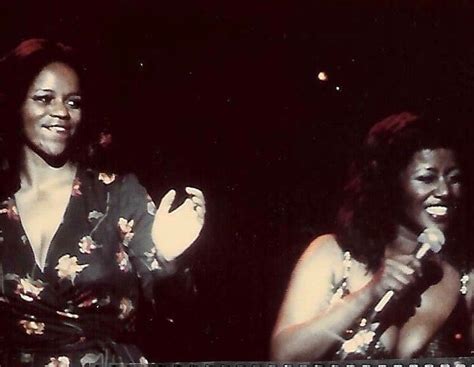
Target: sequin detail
{"type": "Point", "coordinates": [341, 289]}
{"type": "Point", "coordinates": [464, 282]}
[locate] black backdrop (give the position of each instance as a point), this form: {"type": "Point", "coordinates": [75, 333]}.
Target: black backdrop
{"type": "Point", "coordinates": [225, 96]}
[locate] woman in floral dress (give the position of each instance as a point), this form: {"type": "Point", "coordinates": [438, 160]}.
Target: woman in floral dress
{"type": "Point", "coordinates": [78, 247]}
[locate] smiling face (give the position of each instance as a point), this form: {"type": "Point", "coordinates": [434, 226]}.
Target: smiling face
{"type": "Point", "coordinates": [432, 189]}
{"type": "Point", "coordinates": [51, 111]}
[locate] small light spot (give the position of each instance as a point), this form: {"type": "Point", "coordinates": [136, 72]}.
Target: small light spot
{"type": "Point", "coordinates": [338, 88]}
{"type": "Point", "coordinates": [322, 76]}
{"type": "Point", "coordinates": [458, 336]}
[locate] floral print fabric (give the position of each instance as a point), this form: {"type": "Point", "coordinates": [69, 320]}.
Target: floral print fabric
{"type": "Point", "coordinates": [82, 307]}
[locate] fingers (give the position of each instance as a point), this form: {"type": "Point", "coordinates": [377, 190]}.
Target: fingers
{"type": "Point", "coordinates": [407, 263]}
{"type": "Point", "coordinates": [192, 208]}
{"type": "Point", "coordinates": [166, 202]}
{"type": "Point", "coordinates": [402, 268]}
{"type": "Point", "coordinates": [195, 192]}
{"type": "Point", "coordinates": [195, 203]}
{"type": "Point", "coordinates": [188, 204]}
{"type": "Point", "coordinates": [200, 211]}
{"type": "Point", "coordinates": [397, 274]}
{"type": "Point", "coordinates": [416, 265]}
{"type": "Point", "coordinates": [198, 200]}
{"type": "Point", "coordinates": [197, 209]}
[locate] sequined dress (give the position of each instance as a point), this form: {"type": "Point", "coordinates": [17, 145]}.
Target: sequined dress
{"type": "Point", "coordinates": [451, 340]}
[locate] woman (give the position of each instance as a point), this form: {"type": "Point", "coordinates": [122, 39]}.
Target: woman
{"type": "Point", "coordinates": [78, 247]}
{"type": "Point", "coordinates": [409, 177]}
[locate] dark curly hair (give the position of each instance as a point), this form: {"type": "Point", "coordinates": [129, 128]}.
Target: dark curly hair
{"type": "Point", "coordinates": [18, 68]}
{"type": "Point", "coordinates": [366, 221]}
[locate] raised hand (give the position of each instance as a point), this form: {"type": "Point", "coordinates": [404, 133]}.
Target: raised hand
{"type": "Point", "coordinates": [397, 273]}
{"type": "Point", "coordinates": [173, 232]}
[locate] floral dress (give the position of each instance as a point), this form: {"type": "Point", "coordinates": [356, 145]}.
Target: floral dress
{"type": "Point", "coordinates": [82, 307]}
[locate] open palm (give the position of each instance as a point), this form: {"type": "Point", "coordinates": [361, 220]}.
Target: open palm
{"type": "Point", "coordinates": [174, 231]}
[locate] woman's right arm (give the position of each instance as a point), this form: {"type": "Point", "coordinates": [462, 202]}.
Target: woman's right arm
{"type": "Point", "coordinates": [307, 326]}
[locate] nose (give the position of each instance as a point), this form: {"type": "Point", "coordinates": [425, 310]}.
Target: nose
{"type": "Point", "coordinates": [442, 188]}
{"type": "Point", "coordinates": [59, 110]}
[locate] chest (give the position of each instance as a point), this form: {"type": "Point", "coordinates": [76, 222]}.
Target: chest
{"type": "Point", "coordinates": [418, 318]}
{"type": "Point", "coordinates": [41, 213]}
{"type": "Point", "coordinates": [84, 269]}
{"type": "Point", "coordinates": [67, 236]}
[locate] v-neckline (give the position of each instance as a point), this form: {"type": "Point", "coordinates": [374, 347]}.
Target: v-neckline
{"type": "Point", "coordinates": [42, 265]}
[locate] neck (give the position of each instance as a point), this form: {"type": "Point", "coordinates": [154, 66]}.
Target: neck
{"type": "Point", "coordinates": [405, 243]}
{"type": "Point", "coordinates": [36, 171]}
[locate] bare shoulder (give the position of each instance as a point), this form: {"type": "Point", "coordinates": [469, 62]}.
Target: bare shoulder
{"type": "Point", "coordinates": [311, 283]}
{"type": "Point", "coordinates": [320, 260]}
{"type": "Point", "coordinates": [323, 248]}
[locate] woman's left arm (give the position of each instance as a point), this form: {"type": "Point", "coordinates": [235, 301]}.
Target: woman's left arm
{"type": "Point", "coordinates": [173, 232]}
{"type": "Point", "coordinates": [154, 238]}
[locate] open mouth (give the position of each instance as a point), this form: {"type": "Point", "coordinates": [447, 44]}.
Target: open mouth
{"type": "Point", "coordinates": [437, 210]}
{"type": "Point", "coordinates": [59, 129]}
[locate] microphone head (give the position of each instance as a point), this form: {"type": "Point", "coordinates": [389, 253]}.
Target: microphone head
{"type": "Point", "coordinates": [432, 237]}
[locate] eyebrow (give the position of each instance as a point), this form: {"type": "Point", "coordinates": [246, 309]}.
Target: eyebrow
{"type": "Point", "coordinates": [432, 169]}
{"type": "Point", "coordinates": [75, 94]}
{"type": "Point", "coordinates": [44, 90]}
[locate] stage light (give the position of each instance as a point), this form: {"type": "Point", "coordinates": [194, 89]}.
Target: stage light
{"type": "Point", "coordinates": [322, 76]}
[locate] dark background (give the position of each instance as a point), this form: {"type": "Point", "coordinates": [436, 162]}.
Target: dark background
{"type": "Point", "coordinates": [225, 96]}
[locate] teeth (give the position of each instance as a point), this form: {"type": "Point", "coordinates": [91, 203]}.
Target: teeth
{"type": "Point", "coordinates": [437, 210]}
{"type": "Point", "coordinates": [57, 128]}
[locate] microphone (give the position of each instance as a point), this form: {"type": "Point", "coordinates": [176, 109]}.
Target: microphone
{"type": "Point", "coordinates": [361, 345]}
{"type": "Point", "coordinates": [431, 239]}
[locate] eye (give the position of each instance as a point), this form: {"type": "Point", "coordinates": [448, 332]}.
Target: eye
{"type": "Point", "coordinates": [426, 178]}
{"type": "Point", "coordinates": [45, 99]}
{"type": "Point", "coordinates": [74, 103]}
{"type": "Point", "coordinates": [455, 178]}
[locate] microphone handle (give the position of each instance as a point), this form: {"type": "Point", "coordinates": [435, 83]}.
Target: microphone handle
{"type": "Point", "coordinates": [371, 324]}
{"type": "Point", "coordinates": [420, 253]}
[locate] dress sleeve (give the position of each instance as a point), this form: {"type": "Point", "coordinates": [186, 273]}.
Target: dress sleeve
{"type": "Point", "coordinates": [157, 275]}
